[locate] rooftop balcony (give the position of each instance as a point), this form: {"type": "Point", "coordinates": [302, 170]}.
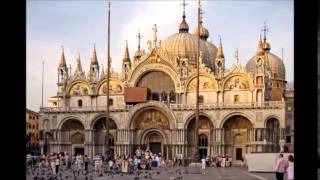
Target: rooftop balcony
{"type": "Point", "coordinates": [240, 105]}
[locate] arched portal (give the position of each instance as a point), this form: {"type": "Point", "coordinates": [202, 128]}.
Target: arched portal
{"type": "Point", "coordinates": [151, 128]}
{"type": "Point", "coordinates": [100, 136]}
{"type": "Point", "coordinates": [273, 134]}
{"type": "Point", "coordinates": [73, 136]}
{"type": "Point", "coordinates": [154, 141]}
{"type": "Point", "coordinates": [204, 134]}
{"type": "Point", "coordinates": [235, 133]}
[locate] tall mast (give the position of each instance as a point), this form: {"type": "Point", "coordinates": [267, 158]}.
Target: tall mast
{"type": "Point", "coordinates": [42, 85]}
{"type": "Point", "coordinates": [196, 155]}
{"type": "Point", "coordinates": [108, 81]}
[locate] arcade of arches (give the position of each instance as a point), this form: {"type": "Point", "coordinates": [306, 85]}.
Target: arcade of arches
{"type": "Point", "coordinates": [151, 129]}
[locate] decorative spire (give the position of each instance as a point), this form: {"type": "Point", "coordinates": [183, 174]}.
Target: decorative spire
{"type": "Point", "coordinates": [62, 62]}
{"type": "Point", "coordinates": [155, 30]}
{"type": "Point", "coordinates": [184, 27]}
{"type": "Point", "coordinates": [102, 71]}
{"type": "Point", "coordinates": [266, 46]}
{"type": "Point", "coordinates": [126, 57]}
{"type": "Point", "coordinates": [265, 32]}
{"type": "Point", "coordinates": [139, 39]}
{"type": "Point", "coordinates": [79, 66]}
{"type": "Point", "coordinates": [220, 50]}
{"type": "Point", "coordinates": [94, 59]}
{"type": "Point", "coordinates": [260, 50]}
{"type": "Point", "coordinates": [237, 55]}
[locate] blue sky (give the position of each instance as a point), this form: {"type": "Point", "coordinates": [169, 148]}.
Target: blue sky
{"type": "Point", "coordinates": [79, 24]}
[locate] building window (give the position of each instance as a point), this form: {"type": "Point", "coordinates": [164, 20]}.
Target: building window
{"type": "Point", "coordinates": [30, 126]}
{"type": "Point", "coordinates": [33, 127]}
{"type": "Point", "coordinates": [201, 99]}
{"type": "Point", "coordinates": [110, 102]}
{"type": "Point", "coordinates": [236, 98]}
{"type": "Point", "coordinates": [288, 139]}
{"type": "Point", "coordinates": [79, 103]}
{"type": "Point", "coordinates": [278, 85]}
{"type": "Point", "coordinates": [37, 126]}
{"type": "Point", "coordinates": [203, 140]}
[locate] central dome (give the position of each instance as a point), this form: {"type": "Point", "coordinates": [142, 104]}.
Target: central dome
{"type": "Point", "coordinates": [185, 45]}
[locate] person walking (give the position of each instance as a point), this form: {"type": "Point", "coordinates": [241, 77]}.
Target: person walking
{"type": "Point", "coordinates": [86, 161]}
{"type": "Point", "coordinates": [281, 167]}
{"type": "Point", "coordinates": [203, 163]}
{"type": "Point", "coordinates": [290, 169]}
{"type": "Point", "coordinates": [53, 165]}
{"type": "Point", "coordinates": [57, 164]}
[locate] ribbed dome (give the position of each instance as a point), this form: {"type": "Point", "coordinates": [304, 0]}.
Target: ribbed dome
{"type": "Point", "coordinates": [276, 65]}
{"type": "Point", "coordinates": [212, 49]}
{"type": "Point", "coordinates": [185, 45]}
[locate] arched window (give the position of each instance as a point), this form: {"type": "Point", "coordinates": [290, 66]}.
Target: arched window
{"type": "Point", "coordinates": [155, 96]}
{"type": "Point", "coordinates": [203, 140]}
{"type": "Point", "coordinates": [33, 127]}
{"type": "Point", "coordinates": [201, 99]}
{"type": "Point", "coordinates": [79, 103]}
{"type": "Point", "coordinates": [172, 97]}
{"type": "Point", "coordinates": [110, 102]}
{"type": "Point", "coordinates": [236, 98]}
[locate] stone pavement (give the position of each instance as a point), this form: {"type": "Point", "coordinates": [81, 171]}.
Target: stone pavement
{"type": "Point", "coordinates": [174, 173]}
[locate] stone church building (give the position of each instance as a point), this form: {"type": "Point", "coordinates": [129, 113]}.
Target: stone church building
{"type": "Point", "coordinates": [153, 101]}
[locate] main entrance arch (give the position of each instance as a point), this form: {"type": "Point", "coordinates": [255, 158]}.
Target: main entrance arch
{"type": "Point", "coordinates": [236, 135]}
{"type": "Point", "coordinates": [151, 129]}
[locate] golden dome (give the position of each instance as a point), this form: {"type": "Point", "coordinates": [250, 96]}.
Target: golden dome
{"type": "Point", "coordinates": [276, 66]}
{"type": "Point", "coordinates": [204, 33]}
{"type": "Point", "coordinates": [185, 45]}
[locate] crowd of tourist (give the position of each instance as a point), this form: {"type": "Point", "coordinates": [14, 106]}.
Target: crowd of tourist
{"type": "Point", "coordinates": [125, 164]}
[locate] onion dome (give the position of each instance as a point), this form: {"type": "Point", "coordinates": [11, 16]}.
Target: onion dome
{"type": "Point", "coordinates": [204, 33]}
{"type": "Point", "coordinates": [183, 27]}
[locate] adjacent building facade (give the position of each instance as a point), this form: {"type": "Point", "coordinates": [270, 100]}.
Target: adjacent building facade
{"type": "Point", "coordinates": [242, 109]}
{"type": "Point", "coordinates": [32, 131]}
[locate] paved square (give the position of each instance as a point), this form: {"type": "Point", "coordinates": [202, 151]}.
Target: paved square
{"type": "Point", "coordinates": [226, 173]}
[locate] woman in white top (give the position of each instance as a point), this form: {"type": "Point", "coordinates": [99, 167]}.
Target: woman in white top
{"type": "Point", "coordinates": [290, 169]}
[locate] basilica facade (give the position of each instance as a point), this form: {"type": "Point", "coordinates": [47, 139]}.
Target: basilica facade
{"type": "Point", "coordinates": [242, 108]}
